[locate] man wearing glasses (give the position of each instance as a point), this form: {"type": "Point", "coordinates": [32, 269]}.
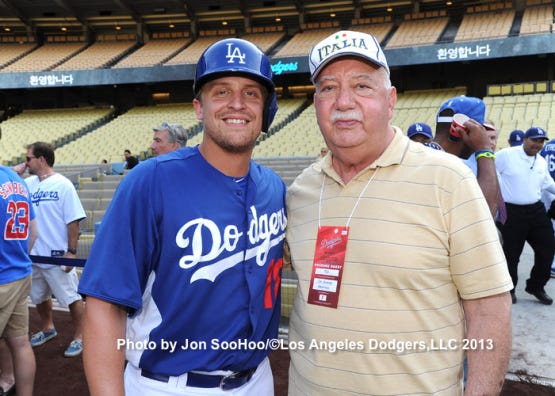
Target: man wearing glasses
{"type": "Point", "coordinates": [58, 210]}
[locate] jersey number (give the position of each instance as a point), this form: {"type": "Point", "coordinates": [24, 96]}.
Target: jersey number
{"type": "Point", "coordinates": [273, 276]}
{"type": "Point", "coordinates": [550, 162]}
{"type": "Point", "coordinates": [17, 226]}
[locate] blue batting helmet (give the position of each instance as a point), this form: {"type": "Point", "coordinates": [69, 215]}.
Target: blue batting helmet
{"type": "Point", "coordinates": [235, 56]}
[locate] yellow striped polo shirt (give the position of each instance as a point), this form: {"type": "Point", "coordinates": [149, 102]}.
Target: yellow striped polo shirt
{"type": "Point", "coordinates": [421, 239]}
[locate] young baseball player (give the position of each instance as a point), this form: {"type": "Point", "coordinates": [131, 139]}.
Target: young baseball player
{"type": "Point", "coordinates": [183, 279]}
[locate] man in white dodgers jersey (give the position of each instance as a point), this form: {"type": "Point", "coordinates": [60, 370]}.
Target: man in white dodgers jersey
{"type": "Point", "coordinates": [59, 212]}
{"type": "Point", "coordinates": [183, 279]}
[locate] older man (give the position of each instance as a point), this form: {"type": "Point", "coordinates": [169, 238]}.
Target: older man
{"type": "Point", "coordinates": [168, 137]}
{"type": "Point", "coordinates": [401, 273]}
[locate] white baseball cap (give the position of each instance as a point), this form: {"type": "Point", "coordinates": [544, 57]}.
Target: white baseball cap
{"type": "Point", "coordinates": [345, 43]}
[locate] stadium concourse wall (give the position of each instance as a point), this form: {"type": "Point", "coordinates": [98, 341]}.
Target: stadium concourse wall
{"type": "Point", "coordinates": [508, 47]}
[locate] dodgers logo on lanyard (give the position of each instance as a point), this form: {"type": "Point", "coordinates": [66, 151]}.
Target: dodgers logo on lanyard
{"type": "Point", "coordinates": [327, 268]}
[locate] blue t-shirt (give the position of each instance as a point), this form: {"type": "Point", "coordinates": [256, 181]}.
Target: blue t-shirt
{"type": "Point", "coordinates": [16, 212]}
{"type": "Point", "coordinates": [196, 257]}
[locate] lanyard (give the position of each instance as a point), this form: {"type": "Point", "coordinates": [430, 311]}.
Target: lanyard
{"type": "Point", "coordinates": [354, 206]}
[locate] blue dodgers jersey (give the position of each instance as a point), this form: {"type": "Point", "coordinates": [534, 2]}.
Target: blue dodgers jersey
{"type": "Point", "coordinates": [548, 152]}
{"type": "Point", "coordinates": [208, 250]}
{"type": "Point", "coordinates": [16, 211]}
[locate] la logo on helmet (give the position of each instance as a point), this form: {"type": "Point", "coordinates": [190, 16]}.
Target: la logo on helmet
{"type": "Point", "coordinates": [233, 53]}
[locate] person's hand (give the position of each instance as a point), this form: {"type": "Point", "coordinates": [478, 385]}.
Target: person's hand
{"type": "Point", "coordinates": [20, 168]}
{"type": "Point", "coordinates": [68, 268]}
{"type": "Point", "coordinates": [475, 136]}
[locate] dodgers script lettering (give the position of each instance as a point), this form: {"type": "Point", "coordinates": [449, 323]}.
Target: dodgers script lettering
{"type": "Point", "coordinates": [265, 231]}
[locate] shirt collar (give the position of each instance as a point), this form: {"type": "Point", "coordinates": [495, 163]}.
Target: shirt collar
{"type": "Point", "coordinates": [393, 155]}
{"type": "Point", "coordinates": [523, 153]}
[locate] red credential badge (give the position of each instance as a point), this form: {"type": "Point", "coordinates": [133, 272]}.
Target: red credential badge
{"type": "Point", "coordinates": [327, 268]}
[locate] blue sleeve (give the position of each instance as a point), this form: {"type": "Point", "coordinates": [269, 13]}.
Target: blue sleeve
{"type": "Point", "coordinates": [123, 251]}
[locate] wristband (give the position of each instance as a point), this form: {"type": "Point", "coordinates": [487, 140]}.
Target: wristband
{"type": "Point", "coordinates": [484, 154]}
{"type": "Point", "coordinates": [72, 251]}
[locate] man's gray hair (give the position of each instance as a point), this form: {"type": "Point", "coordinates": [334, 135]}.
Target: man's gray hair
{"type": "Point", "coordinates": [176, 133]}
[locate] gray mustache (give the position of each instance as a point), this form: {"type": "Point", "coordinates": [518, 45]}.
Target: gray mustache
{"type": "Point", "coordinates": [346, 116]}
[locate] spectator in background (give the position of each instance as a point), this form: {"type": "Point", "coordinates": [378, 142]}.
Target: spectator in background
{"type": "Point", "coordinates": [105, 168]}
{"type": "Point", "coordinates": [130, 161]}
{"type": "Point", "coordinates": [323, 152]}
{"type": "Point", "coordinates": [59, 211]}
{"type": "Point", "coordinates": [516, 138]}
{"type": "Point", "coordinates": [420, 132]}
{"type": "Point", "coordinates": [493, 134]}
{"type": "Point", "coordinates": [19, 228]}
{"type": "Point", "coordinates": [524, 176]}
{"type": "Point", "coordinates": [168, 137]}
{"type": "Point", "coordinates": [472, 143]}
{"type": "Point", "coordinates": [406, 249]}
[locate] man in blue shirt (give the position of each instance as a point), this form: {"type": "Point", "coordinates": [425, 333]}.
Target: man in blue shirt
{"type": "Point", "coordinates": [183, 279]}
{"type": "Point", "coordinates": [18, 226]}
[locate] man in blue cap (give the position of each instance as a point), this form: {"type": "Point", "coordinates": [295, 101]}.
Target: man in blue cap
{"type": "Point", "coordinates": [523, 177]}
{"type": "Point", "coordinates": [193, 304]}
{"type": "Point", "coordinates": [516, 138]}
{"type": "Point", "coordinates": [470, 142]}
{"type": "Point", "coordinates": [420, 132]}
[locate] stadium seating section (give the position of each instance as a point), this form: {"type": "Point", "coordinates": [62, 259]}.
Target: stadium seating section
{"type": "Point", "coordinates": [192, 53]}
{"type": "Point", "coordinates": [45, 57]}
{"type": "Point", "coordinates": [418, 32]}
{"type": "Point", "coordinates": [537, 20]}
{"type": "Point", "coordinates": [154, 52]}
{"type": "Point", "coordinates": [98, 55]}
{"type": "Point", "coordinates": [56, 126]}
{"type": "Point", "coordinates": [88, 135]}
{"type": "Point", "coordinates": [72, 52]}
{"type": "Point", "coordinates": [492, 24]}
